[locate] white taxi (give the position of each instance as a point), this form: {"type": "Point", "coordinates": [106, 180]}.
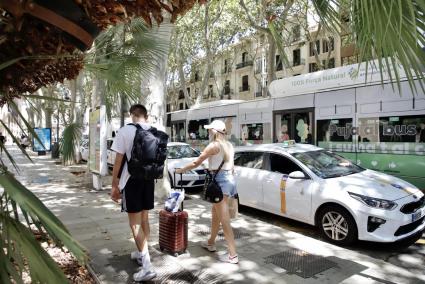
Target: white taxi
{"type": "Point", "coordinates": [179, 155]}
{"type": "Point", "coordinates": [315, 186]}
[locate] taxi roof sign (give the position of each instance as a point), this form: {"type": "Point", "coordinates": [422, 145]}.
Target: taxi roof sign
{"type": "Point", "coordinates": [288, 143]}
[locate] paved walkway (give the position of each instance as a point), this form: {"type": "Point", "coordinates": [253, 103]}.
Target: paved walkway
{"type": "Point", "coordinates": [268, 254]}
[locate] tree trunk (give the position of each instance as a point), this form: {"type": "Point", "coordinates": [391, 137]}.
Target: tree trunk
{"type": "Point", "coordinates": [48, 112]}
{"type": "Point", "coordinates": [123, 110]}
{"type": "Point", "coordinates": [271, 63]}
{"type": "Point", "coordinates": [182, 79]}
{"type": "Point", "coordinates": [154, 88]}
{"type": "Point", "coordinates": [154, 97]}
{"type": "Point", "coordinates": [73, 89]}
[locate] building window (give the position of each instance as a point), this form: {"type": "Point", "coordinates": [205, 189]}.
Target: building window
{"type": "Point", "coordinates": [227, 67]}
{"type": "Point", "coordinates": [279, 65]}
{"type": "Point", "coordinates": [181, 106]}
{"type": "Point", "coordinates": [245, 85]}
{"type": "Point", "coordinates": [244, 57]}
{"type": "Point", "coordinates": [181, 95]}
{"type": "Point", "coordinates": [227, 87]}
{"type": "Point", "coordinates": [197, 77]}
{"type": "Point", "coordinates": [296, 57]}
{"type": "Point", "coordinates": [328, 44]}
{"type": "Point", "coordinates": [210, 91]}
{"type": "Point", "coordinates": [188, 91]}
{"type": "Point", "coordinates": [331, 63]}
{"type": "Point", "coordinates": [168, 108]}
{"type": "Point", "coordinates": [314, 45]}
{"type": "Point", "coordinates": [312, 67]}
{"type": "Point", "coordinates": [349, 60]}
{"type": "Point", "coordinates": [296, 33]}
{"type": "Point", "coordinates": [258, 66]}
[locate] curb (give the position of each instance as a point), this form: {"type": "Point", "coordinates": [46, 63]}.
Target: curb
{"type": "Point", "coordinates": [93, 273]}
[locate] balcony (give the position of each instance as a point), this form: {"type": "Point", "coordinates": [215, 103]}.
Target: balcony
{"type": "Point", "coordinates": [244, 88]}
{"type": "Point", "coordinates": [244, 64]}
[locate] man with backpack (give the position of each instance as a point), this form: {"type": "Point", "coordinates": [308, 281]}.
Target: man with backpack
{"type": "Point", "coordinates": [140, 154]}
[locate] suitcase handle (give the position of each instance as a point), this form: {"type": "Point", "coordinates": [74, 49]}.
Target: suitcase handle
{"type": "Point", "coordinates": [181, 185]}
{"type": "Point", "coordinates": [181, 179]}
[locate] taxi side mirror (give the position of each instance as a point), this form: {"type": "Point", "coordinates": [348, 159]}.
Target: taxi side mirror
{"type": "Point", "coordinates": [297, 175]}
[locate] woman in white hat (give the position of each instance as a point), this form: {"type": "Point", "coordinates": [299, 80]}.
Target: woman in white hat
{"type": "Point", "coordinates": [219, 150]}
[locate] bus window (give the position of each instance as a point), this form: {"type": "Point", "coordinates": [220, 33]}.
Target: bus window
{"type": "Point", "coordinates": [402, 129]}
{"type": "Point", "coordinates": [178, 133]}
{"type": "Point", "coordinates": [255, 133]}
{"type": "Point", "coordinates": [334, 130]}
{"type": "Point", "coordinates": [196, 129]}
{"type": "Point", "coordinates": [392, 129]}
{"type": "Point", "coordinates": [294, 125]}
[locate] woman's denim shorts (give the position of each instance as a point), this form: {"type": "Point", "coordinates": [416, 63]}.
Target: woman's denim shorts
{"type": "Point", "coordinates": [226, 180]}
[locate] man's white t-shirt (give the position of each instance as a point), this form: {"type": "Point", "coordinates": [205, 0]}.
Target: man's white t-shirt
{"type": "Point", "coordinates": [123, 144]}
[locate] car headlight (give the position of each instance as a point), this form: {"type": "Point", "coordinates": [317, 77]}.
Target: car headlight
{"type": "Point", "coordinates": [374, 202]}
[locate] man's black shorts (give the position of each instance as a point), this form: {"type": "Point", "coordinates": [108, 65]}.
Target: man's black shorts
{"type": "Point", "coordinates": [138, 195]}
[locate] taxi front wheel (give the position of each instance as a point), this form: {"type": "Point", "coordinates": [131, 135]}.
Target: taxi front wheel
{"type": "Point", "coordinates": [337, 225]}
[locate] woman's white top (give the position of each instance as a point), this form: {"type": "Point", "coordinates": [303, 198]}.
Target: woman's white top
{"type": "Point", "coordinates": [215, 160]}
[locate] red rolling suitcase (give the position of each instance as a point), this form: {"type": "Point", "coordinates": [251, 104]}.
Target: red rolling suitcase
{"type": "Point", "coordinates": [173, 229]}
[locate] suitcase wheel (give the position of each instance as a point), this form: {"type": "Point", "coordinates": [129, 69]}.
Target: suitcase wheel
{"type": "Point", "coordinates": [161, 248]}
{"type": "Point", "coordinates": [176, 254]}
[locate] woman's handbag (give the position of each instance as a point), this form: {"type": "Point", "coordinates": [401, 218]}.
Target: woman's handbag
{"type": "Point", "coordinates": [212, 190]}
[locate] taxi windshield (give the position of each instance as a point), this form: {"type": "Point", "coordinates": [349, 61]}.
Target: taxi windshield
{"type": "Point", "coordinates": [181, 151]}
{"type": "Point", "coordinates": [326, 164]}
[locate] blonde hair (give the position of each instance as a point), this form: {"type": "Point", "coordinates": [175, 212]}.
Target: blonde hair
{"type": "Point", "coordinates": [225, 146]}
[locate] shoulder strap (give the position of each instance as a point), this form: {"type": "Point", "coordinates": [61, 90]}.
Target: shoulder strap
{"type": "Point", "coordinates": [135, 125]}
{"type": "Point", "coordinates": [219, 168]}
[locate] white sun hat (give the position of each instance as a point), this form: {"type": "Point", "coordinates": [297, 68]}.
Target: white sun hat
{"type": "Point", "coordinates": [217, 125]}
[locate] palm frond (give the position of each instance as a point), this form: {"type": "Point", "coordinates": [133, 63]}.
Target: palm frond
{"type": "Point", "coordinates": [28, 202]}
{"type": "Point", "coordinates": [389, 31]}
{"type": "Point", "coordinates": [42, 268]}
{"type": "Point", "coordinates": [71, 135]}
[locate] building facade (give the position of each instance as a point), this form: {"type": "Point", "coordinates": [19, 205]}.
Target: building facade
{"type": "Point", "coordinates": [241, 72]}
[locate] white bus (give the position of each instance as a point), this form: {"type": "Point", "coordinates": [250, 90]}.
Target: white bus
{"type": "Point", "coordinates": [376, 126]}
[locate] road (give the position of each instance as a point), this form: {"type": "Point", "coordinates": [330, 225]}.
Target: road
{"type": "Point", "coordinates": [411, 258]}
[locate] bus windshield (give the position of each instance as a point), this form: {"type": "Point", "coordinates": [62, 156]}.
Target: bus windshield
{"type": "Point", "coordinates": [326, 164]}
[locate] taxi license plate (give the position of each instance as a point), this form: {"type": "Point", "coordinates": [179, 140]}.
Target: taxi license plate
{"type": "Point", "coordinates": [418, 215]}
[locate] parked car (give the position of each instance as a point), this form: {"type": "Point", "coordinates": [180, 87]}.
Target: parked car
{"type": "Point", "coordinates": [318, 187]}
{"type": "Point", "coordinates": [178, 154]}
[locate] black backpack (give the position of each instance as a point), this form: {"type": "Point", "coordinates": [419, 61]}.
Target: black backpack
{"type": "Point", "coordinates": [148, 153]}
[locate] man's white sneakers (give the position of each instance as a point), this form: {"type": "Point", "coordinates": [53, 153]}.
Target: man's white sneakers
{"type": "Point", "coordinates": [136, 255]}
{"type": "Point", "coordinates": [143, 275]}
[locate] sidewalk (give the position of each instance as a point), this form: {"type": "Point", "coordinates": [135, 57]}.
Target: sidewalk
{"type": "Point", "coordinates": [267, 253]}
